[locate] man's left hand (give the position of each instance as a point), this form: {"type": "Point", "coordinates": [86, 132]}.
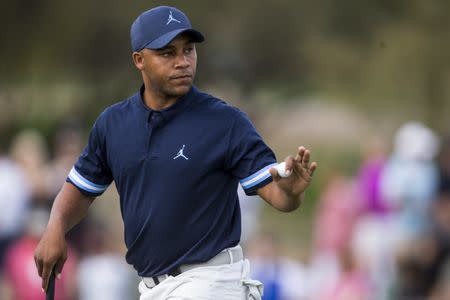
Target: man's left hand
{"type": "Point", "coordinates": [300, 172]}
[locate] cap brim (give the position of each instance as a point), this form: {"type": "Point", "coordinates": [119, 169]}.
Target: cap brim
{"type": "Point", "coordinates": [165, 39]}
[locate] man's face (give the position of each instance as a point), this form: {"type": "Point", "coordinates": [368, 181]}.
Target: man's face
{"type": "Point", "coordinates": [170, 71]}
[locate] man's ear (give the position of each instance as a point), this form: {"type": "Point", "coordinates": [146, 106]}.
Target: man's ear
{"type": "Point", "coordinates": [138, 59]}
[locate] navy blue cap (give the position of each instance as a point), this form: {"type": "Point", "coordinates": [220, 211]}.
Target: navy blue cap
{"type": "Point", "coordinates": [157, 27]}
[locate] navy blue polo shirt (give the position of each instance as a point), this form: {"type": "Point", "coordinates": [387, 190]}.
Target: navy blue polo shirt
{"type": "Point", "coordinates": [176, 171]}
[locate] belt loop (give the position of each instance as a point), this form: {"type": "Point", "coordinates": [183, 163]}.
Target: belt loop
{"type": "Point", "coordinates": [230, 253]}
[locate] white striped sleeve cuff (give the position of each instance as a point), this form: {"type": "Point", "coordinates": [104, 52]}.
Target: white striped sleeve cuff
{"type": "Point", "coordinates": [85, 184]}
{"type": "Point", "coordinates": [257, 178]}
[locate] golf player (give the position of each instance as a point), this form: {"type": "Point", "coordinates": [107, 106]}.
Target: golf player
{"type": "Point", "coordinates": [176, 156]}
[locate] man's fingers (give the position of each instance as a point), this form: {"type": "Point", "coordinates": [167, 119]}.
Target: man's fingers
{"type": "Point", "coordinates": [274, 174]}
{"type": "Point", "coordinates": [300, 153]}
{"type": "Point", "coordinates": [312, 168]}
{"type": "Point", "coordinates": [59, 266]}
{"type": "Point", "coordinates": [290, 163]}
{"type": "Point", "coordinates": [38, 263]}
{"type": "Point", "coordinates": [300, 163]}
{"type": "Point", "coordinates": [305, 160]}
{"type": "Point", "coordinates": [46, 275]}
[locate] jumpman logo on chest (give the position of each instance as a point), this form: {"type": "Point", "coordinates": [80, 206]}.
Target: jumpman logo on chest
{"type": "Point", "coordinates": [181, 154]}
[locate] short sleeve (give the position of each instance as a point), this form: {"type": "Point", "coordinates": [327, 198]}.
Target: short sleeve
{"type": "Point", "coordinates": [91, 173]}
{"type": "Point", "coordinates": [249, 158]}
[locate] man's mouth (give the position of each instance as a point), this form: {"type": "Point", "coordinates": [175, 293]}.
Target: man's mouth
{"type": "Point", "coordinates": [180, 77]}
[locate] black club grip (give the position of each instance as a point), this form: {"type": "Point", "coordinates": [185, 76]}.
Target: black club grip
{"type": "Point", "coordinates": [50, 295]}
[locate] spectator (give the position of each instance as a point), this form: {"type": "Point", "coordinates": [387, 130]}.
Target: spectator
{"type": "Point", "coordinates": [338, 211]}
{"type": "Point", "coordinates": [372, 247]}
{"type": "Point", "coordinates": [370, 244]}
{"type": "Point", "coordinates": [368, 180]}
{"type": "Point", "coordinates": [352, 282]}
{"type": "Point", "coordinates": [14, 202]}
{"type": "Point", "coordinates": [409, 183]}
{"type": "Point", "coordinates": [410, 179]}
{"type": "Point", "coordinates": [30, 151]}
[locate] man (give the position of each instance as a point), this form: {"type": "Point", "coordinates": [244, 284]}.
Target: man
{"type": "Point", "coordinates": [176, 156]}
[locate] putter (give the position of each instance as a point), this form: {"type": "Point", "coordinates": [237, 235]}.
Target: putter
{"type": "Point", "coordinates": [50, 295]}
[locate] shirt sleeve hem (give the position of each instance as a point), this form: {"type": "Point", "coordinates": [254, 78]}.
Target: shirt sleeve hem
{"type": "Point", "coordinates": [253, 190]}
{"type": "Point", "coordinates": [258, 179]}
{"type": "Point", "coordinates": [84, 184]}
{"type": "Point", "coordinates": [84, 192]}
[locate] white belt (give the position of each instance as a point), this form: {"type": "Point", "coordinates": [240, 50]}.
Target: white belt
{"type": "Point", "coordinates": [227, 256]}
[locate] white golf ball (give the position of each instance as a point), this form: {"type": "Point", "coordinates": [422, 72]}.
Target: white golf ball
{"type": "Point", "coordinates": [281, 168]}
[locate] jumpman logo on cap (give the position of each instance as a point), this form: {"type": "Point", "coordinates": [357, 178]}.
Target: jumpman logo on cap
{"type": "Point", "coordinates": [181, 154]}
{"type": "Point", "coordinates": [171, 19]}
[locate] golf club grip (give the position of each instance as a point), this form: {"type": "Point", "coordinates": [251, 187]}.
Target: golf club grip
{"type": "Point", "coordinates": [50, 295]}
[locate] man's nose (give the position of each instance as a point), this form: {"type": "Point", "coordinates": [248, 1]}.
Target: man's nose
{"type": "Point", "coordinates": [182, 61]}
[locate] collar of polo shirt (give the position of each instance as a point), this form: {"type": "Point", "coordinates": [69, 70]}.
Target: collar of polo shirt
{"type": "Point", "coordinates": [169, 112]}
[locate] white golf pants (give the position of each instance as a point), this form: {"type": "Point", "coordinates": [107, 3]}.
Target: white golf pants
{"type": "Point", "coordinates": [230, 281]}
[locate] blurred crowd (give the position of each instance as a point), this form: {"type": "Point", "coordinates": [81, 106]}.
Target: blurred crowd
{"type": "Point", "coordinates": [380, 234]}
{"type": "Point", "coordinates": [31, 174]}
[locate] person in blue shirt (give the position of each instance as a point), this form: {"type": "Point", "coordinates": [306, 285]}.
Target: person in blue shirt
{"type": "Point", "coordinates": [176, 156]}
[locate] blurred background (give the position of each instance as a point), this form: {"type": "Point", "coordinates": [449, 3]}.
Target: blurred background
{"type": "Point", "coordinates": [364, 84]}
